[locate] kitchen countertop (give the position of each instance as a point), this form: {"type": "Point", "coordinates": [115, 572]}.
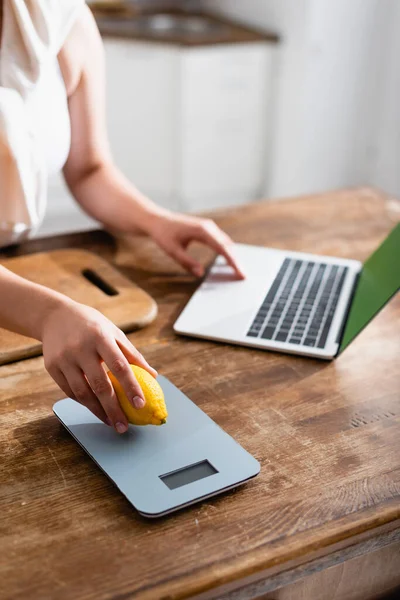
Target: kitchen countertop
{"type": "Point", "coordinates": [326, 435]}
{"type": "Point", "coordinates": [220, 30]}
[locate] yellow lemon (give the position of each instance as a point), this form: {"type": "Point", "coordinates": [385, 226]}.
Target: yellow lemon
{"type": "Point", "coordinates": [154, 411]}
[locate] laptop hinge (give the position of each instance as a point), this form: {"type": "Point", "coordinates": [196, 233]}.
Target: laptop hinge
{"type": "Point", "coordinates": [340, 334]}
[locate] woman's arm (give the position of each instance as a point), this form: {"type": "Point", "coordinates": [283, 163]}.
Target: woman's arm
{"type": "Point", "coordinates": [24, 305]}
{"type": "Point", "coordinates": [76, 341]}
{"type": "Point", "coordinates": [94, 180]}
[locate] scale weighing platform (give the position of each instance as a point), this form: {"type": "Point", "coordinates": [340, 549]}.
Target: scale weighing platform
{"type": "Point", "coordinates": [162, 469]}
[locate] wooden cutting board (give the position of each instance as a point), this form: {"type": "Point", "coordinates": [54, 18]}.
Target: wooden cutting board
{"type": "Point", "coordinates": [86, 278]}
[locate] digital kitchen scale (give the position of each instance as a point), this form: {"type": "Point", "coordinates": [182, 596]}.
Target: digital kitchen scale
{"type": "Point", "coordinates": [162, 469]}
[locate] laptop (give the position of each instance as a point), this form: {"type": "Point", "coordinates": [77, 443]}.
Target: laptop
{"type": "Point", "coordinates": [292, 301]}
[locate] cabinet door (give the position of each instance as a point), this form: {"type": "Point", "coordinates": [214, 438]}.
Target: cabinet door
{"type": "Point", "coordinates": [225, 105]}
{"type": "Point", "coordinates": [141, 114]}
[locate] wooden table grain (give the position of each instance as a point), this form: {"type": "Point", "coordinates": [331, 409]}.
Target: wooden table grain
{"type": "Point", "coordinates": [327, 435]}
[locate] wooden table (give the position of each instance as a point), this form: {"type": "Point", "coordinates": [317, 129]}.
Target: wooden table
{"type": "Point", "coordinates": [322, 518]}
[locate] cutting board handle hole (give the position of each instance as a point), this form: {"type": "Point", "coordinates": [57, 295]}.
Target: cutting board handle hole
{"type": "Point", "coordinates": [99, 282]}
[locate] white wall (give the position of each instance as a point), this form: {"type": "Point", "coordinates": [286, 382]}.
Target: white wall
{"type": "Point", "coordinates": [289, 19]}
{"type": "Point", "coordinates": [384, 151]}
{"type": "Point", "coordinates": [337, 92]}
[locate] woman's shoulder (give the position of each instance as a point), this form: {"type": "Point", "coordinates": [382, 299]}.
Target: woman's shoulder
{"type": "Point", "coordinates": [55, 19]}
{"type": "Point", "coordinates": [32, 34]}
{"type": "Point", "coordinates": [81, 46]}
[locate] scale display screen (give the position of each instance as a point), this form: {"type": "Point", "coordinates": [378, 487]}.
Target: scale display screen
{"type": "Point", "coordinates": [189, 474]}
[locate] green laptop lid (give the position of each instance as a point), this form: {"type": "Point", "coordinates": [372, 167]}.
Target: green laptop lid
{"type": "Point", "coordinates": [378, 282]}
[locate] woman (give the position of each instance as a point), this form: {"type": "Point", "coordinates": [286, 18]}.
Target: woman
{"type": "Point", "coordinates": [52, 117]}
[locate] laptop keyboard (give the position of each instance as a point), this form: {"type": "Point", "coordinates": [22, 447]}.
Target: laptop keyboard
{"type": "Point", "coordinates": [300, 305]}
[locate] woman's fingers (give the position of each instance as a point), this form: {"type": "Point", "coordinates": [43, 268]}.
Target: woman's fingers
{"type": "Point", "coordinates": [100, 388]}
{"type": "Point", "coordinates": [207, 232]}
{"type": "Point", "coordinates": [76, 387]}
{"type": "Point", "coordinates": [182, 257]}
{"type": "Point", "coordinates": [77, 340]}
{"type": "Point", "coordinates": [213, 236]}
{"type": "Point", "coordinates": [132, 354]}
{"type": "Point", "coordinates": [61, 382]}
{"type": "Point", "coordinates": [119, 367]}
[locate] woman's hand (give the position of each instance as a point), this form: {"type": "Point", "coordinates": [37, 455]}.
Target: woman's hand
{"type": "Point", "coordinates": [77, 340]}
{"type": "Point", "coordinates": [173, 232]}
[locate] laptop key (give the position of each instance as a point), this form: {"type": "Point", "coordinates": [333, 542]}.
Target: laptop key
{"type": "Point", "coordinates": [313, 333]}
{"type": "Point", "coordinates": [299, 329]}
{"type": "Point", "coordinates": [268, 333]}
{"type": "Point", "coordinates": [273, 322]}
{"type": "Point", "coordinates": [281, 336]}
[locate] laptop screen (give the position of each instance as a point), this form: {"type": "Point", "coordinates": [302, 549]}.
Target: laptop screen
{"type": "Point", "coordinates": [379, 280]}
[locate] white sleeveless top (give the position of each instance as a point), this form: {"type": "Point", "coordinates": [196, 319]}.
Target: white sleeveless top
{"type": "Point", "coordinates": [34, 119]}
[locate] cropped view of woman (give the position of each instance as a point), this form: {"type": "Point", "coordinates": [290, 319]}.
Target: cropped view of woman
{"type": "Point", "coordinates": [52, 118]}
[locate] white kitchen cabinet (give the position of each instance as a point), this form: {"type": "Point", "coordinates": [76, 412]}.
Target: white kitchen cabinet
{"type": "Point", "coordinates": [223, 124]}
{"type": "Point", "coordinates": [142, 105]}
{"type": "Point", "coordinates": [189, 125]}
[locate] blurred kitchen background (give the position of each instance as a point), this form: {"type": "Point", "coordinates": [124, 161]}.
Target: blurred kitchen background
{"type": "Point", "coordinates": [212, 103]}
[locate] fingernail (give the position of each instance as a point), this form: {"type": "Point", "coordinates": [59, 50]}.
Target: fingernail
{"type": "Point", "coordinates": [198, 271]}
{"type": "Point", "coordinates": [138, 402]}
{"type": "Point", "coordinates": [120, 427]}
{"type": "Point", "coordinates": [108, 422]}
